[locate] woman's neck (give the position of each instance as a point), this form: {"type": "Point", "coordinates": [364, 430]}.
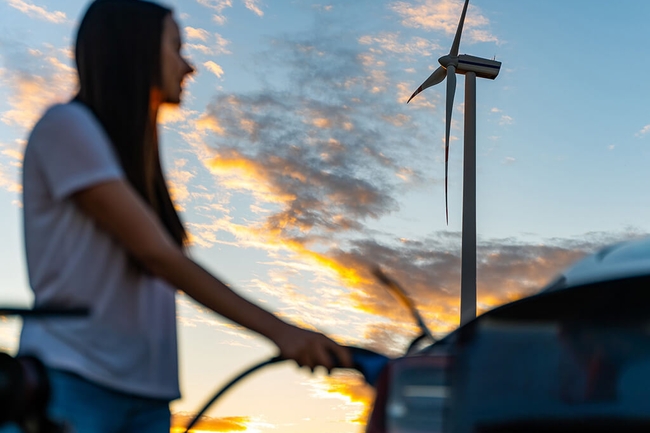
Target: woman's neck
{"type": "Point", "coordinates": [155, 101]}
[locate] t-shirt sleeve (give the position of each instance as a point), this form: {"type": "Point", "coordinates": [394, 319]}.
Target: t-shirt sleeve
{"type": "Point", "coordinates": [73, 151]}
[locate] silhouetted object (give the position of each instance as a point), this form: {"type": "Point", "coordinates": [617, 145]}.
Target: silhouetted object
{"type": "Point", "coordinates": [401, 294]}
{"type": "Point", "coordinates": [24, 384]}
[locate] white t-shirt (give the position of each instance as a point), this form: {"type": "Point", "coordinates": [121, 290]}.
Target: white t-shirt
{"type": "Point", "coordinates": [128, 343]}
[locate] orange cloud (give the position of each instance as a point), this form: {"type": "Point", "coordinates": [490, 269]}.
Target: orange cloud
{"type": "Point", "coordinates": [169, 114]}
{"type": "Point", "coordinates": [244, 174]}
{"type": "Point", "coordinates": [207, 424]}
{"type": "Point", "coordinates": [351, 388]}
{"type": "Point", "coordinates": [428, 269]}
{"type": "Point", "coordinates": [503, 277]}
{"type": "Point", "coordinates": [210, 123]}
{"type": "Point", "coordinates": [322, 122]}
{"type": "Point", "coordinates": [32, 93]}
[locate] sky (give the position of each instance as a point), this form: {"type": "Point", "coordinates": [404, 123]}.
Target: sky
{"type": "Point", "coordinates": [298, 166]}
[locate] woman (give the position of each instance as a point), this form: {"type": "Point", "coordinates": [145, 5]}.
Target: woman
{"type": "Point", "coordinates": [101, 231]}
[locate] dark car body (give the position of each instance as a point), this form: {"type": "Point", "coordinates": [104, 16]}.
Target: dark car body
{"type": "Point", "coordinates": [573, 358]}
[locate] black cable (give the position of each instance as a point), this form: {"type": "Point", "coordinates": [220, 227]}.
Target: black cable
{"type": "Point", "coordinates": [254, 368]}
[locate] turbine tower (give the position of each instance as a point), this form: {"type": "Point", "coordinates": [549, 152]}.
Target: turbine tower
{"type": "Point", "coordinates": [472, 67]}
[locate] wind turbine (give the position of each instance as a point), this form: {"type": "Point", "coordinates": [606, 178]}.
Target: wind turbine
{"type": "Point", "coordinates": [472, 67]}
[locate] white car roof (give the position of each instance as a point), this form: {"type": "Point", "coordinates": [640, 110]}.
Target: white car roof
{"type": "Point", "coordinates": [624, 260]}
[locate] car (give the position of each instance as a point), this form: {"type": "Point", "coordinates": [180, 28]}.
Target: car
{"type": "Point", "coordinates": [575, 357]}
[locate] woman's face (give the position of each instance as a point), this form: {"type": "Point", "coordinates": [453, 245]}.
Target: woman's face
{"type": "Point", "coordinates": [174, 66]}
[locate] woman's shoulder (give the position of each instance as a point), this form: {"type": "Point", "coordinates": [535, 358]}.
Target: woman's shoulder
{"type": "Point", "coordinates": [65, 115]}
{"type": "Point", "coordinates": [68, 129]}
{"type": "Point", "coordinates": [64, 120]}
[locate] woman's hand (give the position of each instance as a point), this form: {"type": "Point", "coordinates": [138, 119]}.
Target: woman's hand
{"type": "Point", "coordinates": [312, 349]}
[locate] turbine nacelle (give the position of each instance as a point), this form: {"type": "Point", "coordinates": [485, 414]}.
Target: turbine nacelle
{"type": "Point", "coordinates": [483, 68]}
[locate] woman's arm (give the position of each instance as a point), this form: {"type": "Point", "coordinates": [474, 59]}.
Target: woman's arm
{"type": "Point", "coordinates": [117, 208]}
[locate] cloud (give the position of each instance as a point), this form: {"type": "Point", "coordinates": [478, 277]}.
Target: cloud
{"type": "Point", "coordinates": [319, 161]}
{"type": "Point", "coordinates": [307, 148]}
{"type": "Point", "coordinates": [643, 131]}
{"type": "Point", "coordinates": [219, 6]}
{"type": "Point", "coordinates": [430, 272]}
{"type": "Point", "coordinates": [507, 270]}
{"type": "Point", "coordinates": [443, 15]}
{"type": "Point", "coordinates": [38, 12]}
{"type": "Point", "coordinates": [476, 35]}
{"type": "Point", "coordinates": [173, 115]}
{"type": "Point", "coordinates": [220, 45]}
{"type": "Point", "coordinates": [217, 46]}
{"type": "Point", "coordinates": [349, 387]}
{"type": "Point", "coordinates": [11, 160]}
{"type": "Point", "coordinates": [504, 119]}
{"type": "Point", "coordinates": [9, 180]}
{"type": "Point", "coordinates": [200, 47]}
{"type": "Point", "coordinates": [36, 78]}
{"type": "Point", "coordinates": [325, 122]}
{"type": "Point", "coordinates": [179, 178]}
{"type": "Point", "coordinates": [254, 6]}
{"type": "Point", "coordinates": [208, 424]}
{"type": "Point", "coordinates": [390, 42]}
{"type": "Point", "coordinates": [200, 34]}
{"type": "Point", "coordinates": [390, 337]}
{"type": "Point", "coordinates": [209, 123]}
{"type": "Point", "coordinates": [323, 8]}
{"type": "Point", "coordinates": [214, 68]}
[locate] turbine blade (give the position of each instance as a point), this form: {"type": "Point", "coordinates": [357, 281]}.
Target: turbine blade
{"type": "Point", "coordinates": [435, 78]}
{"type": "Point", "coordinates": [456, 45]}
{"type": "Point", "coordinates": [451, 92]}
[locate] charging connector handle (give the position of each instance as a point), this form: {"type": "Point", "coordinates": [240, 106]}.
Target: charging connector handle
{"type": "Point", "coordinates": [370, 364]}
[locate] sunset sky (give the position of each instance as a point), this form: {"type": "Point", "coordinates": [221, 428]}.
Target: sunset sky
{"type": "Point", "coordinates": [298, 165]}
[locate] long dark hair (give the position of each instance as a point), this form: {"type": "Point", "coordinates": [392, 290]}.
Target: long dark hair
{"type": "Point", "coordinates": [118, 60]}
